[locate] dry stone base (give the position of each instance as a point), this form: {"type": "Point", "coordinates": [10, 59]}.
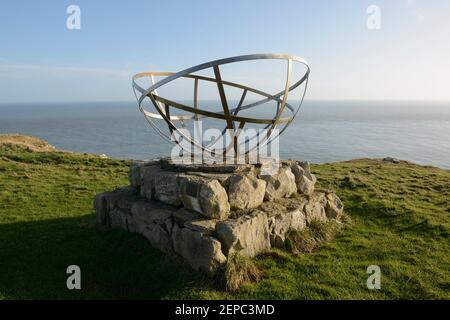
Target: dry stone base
{"type": "Point", "coordinates": [205, 213]}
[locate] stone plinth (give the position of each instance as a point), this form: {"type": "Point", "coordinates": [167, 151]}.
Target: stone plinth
{"type": "Point", "coordinates": [204, 213]}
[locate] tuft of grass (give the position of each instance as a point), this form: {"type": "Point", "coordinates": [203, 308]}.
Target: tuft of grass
{"type": "Point", "coordinates": [298, 241]}
{"type": "Point", "coordinates": [325, 231]}
{"type": "Point", "coordinates": [237, 271]}
{"type": "Point", "coordinates": [308, 239]}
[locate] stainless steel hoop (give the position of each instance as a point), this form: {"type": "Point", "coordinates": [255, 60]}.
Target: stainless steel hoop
{"type": "Point", "coordinates": [230, 116]}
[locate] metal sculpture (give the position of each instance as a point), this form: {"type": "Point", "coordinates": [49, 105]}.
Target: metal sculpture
{"type": "Point", "coordinates": [234, 123]}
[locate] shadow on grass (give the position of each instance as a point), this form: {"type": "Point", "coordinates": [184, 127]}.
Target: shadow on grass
{"type": "Point", "coordinates": [34, 257]}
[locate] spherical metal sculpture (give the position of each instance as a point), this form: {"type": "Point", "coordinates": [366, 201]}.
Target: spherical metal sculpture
{"type": "Point", "coordinates": [234, 122]}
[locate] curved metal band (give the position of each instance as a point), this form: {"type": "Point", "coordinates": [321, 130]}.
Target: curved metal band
{"type": "Point", "coordinates": [229, 115]}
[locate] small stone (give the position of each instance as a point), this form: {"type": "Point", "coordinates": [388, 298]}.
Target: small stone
{"type": "Point", "coordinates": [391, 159]}
{"type": "Point", "coordinates": [245, 191]}
{"type": "Point", "coordinates": [103, 156]}
{"type": "Point", "coordinates": [280, 185]}
{"type": "Point", "coordinates": [247, 235]}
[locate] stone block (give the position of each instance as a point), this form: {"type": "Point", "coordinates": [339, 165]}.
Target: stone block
{"type": "Point", "coordinates": [206, 227]}
{"type": "Point", "coordinates": [334, 206]}
{"type": "Point", "coordinates": [205, 196]}
{"type": "Point", "coordinates": [280, 185]}
{"type": "Point", "coordinates": [121, 198]}
{"type": "Point", "coordinates": [148, 175]}
{"type": "Point", "coordinates": [245, 191]}
{"type": "Point", "coordinates": [247, 235]}
{"type": "Point", "coordinates": [201, 252]}
{"type": "Point", "coordinates": [304, 179]}
{"type": "Point", "coordinates": [146, 212]}
{"type": "Point", "coordinates": [117, 219]}
{"type": "Point", "coordinates": [101, 210]}
{"type": "Point", "coordinates": [134, 173]}
{"type": "Point", "coordinates": [158, 237]}
{"type": "Point", "coordinates": [182, 215]}
{"type": "Point", "coordinates": [280, 224]}
{"type": "Point", "coordinates": [315, 208]}
{"type": "Point", "coordinates": [166, 188]}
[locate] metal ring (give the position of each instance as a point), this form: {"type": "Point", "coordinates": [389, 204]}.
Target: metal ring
{"type": "Point", "coordinates": [163, 105]}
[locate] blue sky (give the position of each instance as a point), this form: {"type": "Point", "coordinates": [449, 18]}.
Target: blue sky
{"type": "Point", "coordinates": [41, 60]}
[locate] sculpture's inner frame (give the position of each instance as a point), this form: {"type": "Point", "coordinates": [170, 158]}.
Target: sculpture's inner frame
{"type": "Point", "coordinates": [231, 116]}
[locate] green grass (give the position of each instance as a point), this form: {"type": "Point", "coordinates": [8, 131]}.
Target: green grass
{"type": "Point", "coordinates": [400, 214]}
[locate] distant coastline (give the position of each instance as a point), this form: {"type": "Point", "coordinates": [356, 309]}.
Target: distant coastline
{"type": "Point", "coordinates": [36, 144]}
{"type": "Point", "coordinates": [324, 131]}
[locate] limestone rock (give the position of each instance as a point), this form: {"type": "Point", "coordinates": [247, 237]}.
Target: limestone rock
{"type": "Point", "coordinates": [298, 220]}
{"type": "Point", "coordinates": [147, 177]}
{"type": "Point", "coordinates": [117, 219]}
{"type": "Point", "coordinates": [273, 208]}
{"type": "Point", "coordinates": [280, 185]}
{"type": "Point", "coordinates": [214, 200]}
{"type": "Point", "coordinates": [269, 166]}
{"type": "Point", "coordinates": [315, 208]}
{"type": "Point", "coordinates": [248, 234]}
{"type": "Point", "coordinates": [121, 198]}
{"type": "Point", "coordinates": [134, 173]}
{"type": "Point", "coordinates": [280, 224]}
{"type": "Point", "coordinates": [206, 227]}
{"type": "Point", "coordinates": [158, 237]}
{"type": "Point", "coordinates": [101, 210]}
{"type": "Point", "coordinates": [189, 192]}
{"type": "Point", "coordinates": [294, 203]}
{"type": "Point", "coordinates": [304, 179]}
{"type": "Point", "coordinates": [201, 252]}
{"type": "Point", "coordinates": [182, 215]}
{"type": "Point", "coordinates": [113, 208]}
{"type": "Point", "coordinates": [148, 212]}
{"type": "Point", "coordinates": [391, 159]}
{"type": "Point", "coordinates": [205, 196]}
{"type": "Point", "coordinates": [334, 206]}
{"type": "Point", "coordinates": [166, 188]}
{"type": "Point", "coordinates": [245, 191]}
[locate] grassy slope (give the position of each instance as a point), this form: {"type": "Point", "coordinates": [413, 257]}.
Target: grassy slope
{"type": "Point", "coordinates": [401, 223]}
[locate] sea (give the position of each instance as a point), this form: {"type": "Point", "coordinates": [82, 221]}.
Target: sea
{"type": "Point", "coordinates": [323, 131]}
